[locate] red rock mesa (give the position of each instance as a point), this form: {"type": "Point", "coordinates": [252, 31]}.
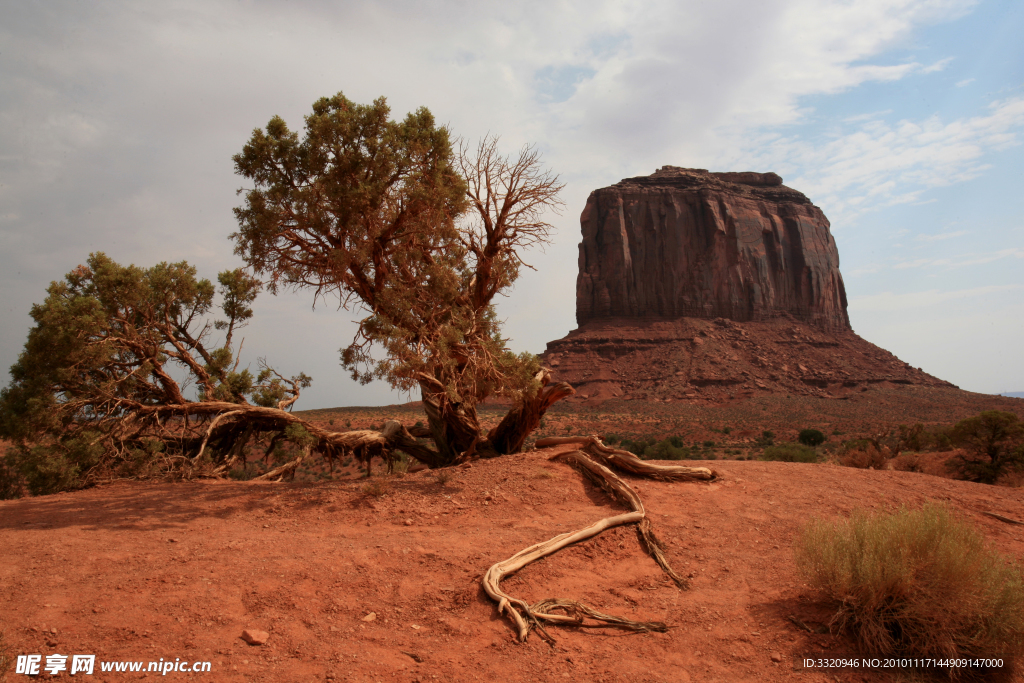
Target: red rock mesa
{"type": "Point", "coordinates": [713, 285]}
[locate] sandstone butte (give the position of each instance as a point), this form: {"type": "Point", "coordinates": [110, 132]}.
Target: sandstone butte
{"type": "Point", "coordinates": [713, 286]}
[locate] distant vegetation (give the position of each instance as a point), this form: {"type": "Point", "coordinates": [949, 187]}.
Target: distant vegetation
{"type": "Point", "coordinates": [811, 437]}
{"type": "Point", "coordinates": [994, 445]}
{"type": "Point", "coordinates": [916, 583]}
{"type": "Point", "coordinates": [790, 452]}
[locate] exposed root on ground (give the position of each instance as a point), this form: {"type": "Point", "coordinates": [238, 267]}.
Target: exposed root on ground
{"type": "Point", "coordinates": [594, 464]}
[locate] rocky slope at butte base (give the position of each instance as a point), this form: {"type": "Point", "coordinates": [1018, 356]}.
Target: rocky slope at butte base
{"type": "Point", "coordinates": [694, 359]}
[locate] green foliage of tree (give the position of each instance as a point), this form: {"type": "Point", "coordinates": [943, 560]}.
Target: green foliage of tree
{"type": "Point", "coordinates": [392, 220]}
{"type": "Point", "coordinates": [811, 437]}
{"type": "Point", "coordinates": [108, 348]}
{"type": "Point", "coordinates": [994, 441]}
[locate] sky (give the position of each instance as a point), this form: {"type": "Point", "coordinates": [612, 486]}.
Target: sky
{"type": "Point", "coordinates": [901, 119]}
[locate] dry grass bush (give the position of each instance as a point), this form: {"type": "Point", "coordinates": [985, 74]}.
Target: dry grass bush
{"type": "Point", "coordinates": [916, 583]}
{"type": "Point", "coordinates": [378, 488]}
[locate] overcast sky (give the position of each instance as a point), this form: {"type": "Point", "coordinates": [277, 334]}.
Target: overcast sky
{"type": "Point", "coordinates": [902, 120]}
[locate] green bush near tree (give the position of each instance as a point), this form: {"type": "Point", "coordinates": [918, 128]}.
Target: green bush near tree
{"type": "Point", "coordinates": [994, 445]}
{"type": "Point", "coordinates": [921, 583]}
{"type": "Point", "coordinates": [811, 437]}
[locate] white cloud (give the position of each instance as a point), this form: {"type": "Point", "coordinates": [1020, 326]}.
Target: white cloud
{"type": "Point", "coordinates": [968, 260]}
{"type": "Point", "coordinates": [870, 116]}
{"type": "Point", "coordinates": [937, 66]}
{"type": "Point", "coordinates": [966, 81]}
{"type": "Point", "coordinates": [889, 301]}
{"type": "Point", "coordinates": [942, 236]}
{"type": "Point", "coordinates": [894, 163]}
{"type": "Point", "coordinates": [120, 118]}
{"type": "Point", "coordinates": [949, 262]}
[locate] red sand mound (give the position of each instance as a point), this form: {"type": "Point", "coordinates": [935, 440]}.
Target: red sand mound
{"type": "Point", "coordinates": [137, 572]}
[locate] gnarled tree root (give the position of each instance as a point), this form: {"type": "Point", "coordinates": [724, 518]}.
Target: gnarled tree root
{"type": "Point", "coordinates": [525, 616]}
{"type": "Point", "coordinates": [628, 462]}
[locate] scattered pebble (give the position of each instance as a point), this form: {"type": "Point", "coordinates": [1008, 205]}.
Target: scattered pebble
{"type": "Point", "coordinates": [408, 522]}
{"type": "Point", "coordinates": [776, 657]}
{"type": "Point", "coordinates": [255, 636]}
{"type": "Point", "coordinates": [370, 617]}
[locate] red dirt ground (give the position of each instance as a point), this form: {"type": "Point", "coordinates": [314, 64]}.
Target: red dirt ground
{"type": "Point", "coordinates": [143, 571]}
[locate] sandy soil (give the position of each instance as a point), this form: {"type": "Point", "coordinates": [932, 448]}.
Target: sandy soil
{"type": "Point", "coordinates": [144, 571]}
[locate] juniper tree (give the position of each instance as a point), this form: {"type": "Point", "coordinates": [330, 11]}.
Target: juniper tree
{"type": "Point", "coordinates": [993, 443]}
{"type": "Point", "coordinates": [390, 219]}
{"type": "Point", "coordinates": [119, 377]}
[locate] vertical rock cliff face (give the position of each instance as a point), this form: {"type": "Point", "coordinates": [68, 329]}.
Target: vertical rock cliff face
{"type": "Point", "coordinates": [689, 243]}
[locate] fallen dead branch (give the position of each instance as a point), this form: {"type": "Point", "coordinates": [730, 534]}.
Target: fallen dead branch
{"type": "Point", "coordinates": [1008, 520]}
{"type": "Point", "coordinates": [279, 473]}
{"type": "Point", "coordinates": [574, 613]}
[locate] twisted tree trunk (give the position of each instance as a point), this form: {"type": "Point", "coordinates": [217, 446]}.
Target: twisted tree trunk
{"type": "Point", "coordinates": [510, 434]}
{"type": "Point", "coordinates": [456, 431]}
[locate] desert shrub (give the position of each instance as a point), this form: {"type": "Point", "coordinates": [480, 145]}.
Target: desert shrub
{"type": "Point", "coordinates": [676, 441]}
{"type": "Point", "coordinates": [243, 473]}
{"type": "Point", "coordinates": [402, 463]}
{"type": "Point", "coordinates": [377, 488]}
{"type": "Point", "coordinates": [638, 447]}
{"type": "Point", "coordinates": [916, 583]}
{"type": "Point", "coordinates": [667, 450]}
{"type": "Point", "coordinates": [443, 476]}
{"type": "Point", "coordinates": [907, 462]}
{"type": "Point", "coordinates": [11, 483]}
{"type": "Point", "coordinates": [919, 438]}
{"type": "Point", "coordinates": [709, 444]}
{"type": "Point", "coordinates": [913, 438]}
{"type": "Point", "coordinates": [611, 439]}
{"type": "Point", "coordinates": [766, 439]}
{"type": "Point", "coordinates": [50, 467]}
{"type": "Point", "coordinates": [790, 452]}
{"type": "Point", "coordinates": [863, 455]}
{"type": "Point", "coordinates": [993, 445]}
{"type": "Point", "coordinates": [811, 437]}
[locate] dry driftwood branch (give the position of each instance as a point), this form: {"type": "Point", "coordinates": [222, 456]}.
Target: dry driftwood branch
{"type": "Point", "coordinates": [525, 616]}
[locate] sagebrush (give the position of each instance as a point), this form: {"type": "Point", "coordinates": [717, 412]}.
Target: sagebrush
{"type": "Point", "coordinates": [916, 583]}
